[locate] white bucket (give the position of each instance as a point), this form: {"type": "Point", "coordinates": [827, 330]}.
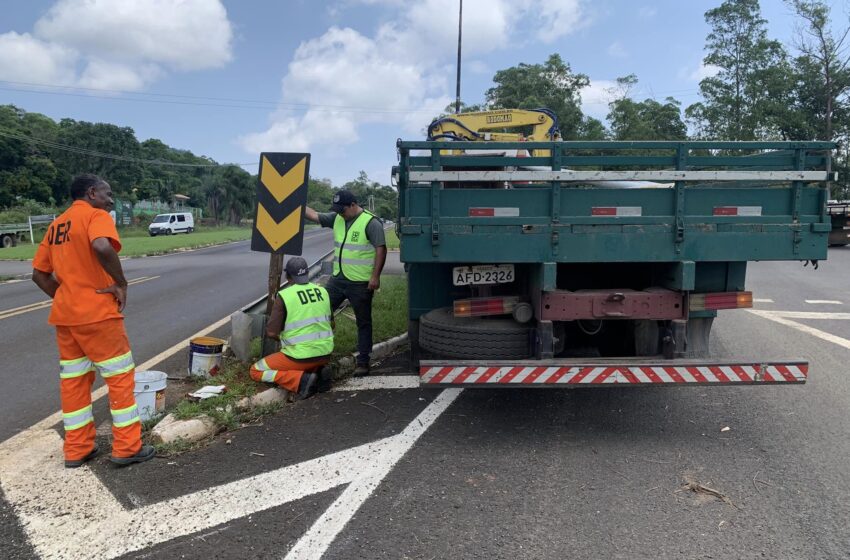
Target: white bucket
{"type": "Point", "coordinates": [150, 393]}
{"type": "Point", "coordinates": [205, 356]}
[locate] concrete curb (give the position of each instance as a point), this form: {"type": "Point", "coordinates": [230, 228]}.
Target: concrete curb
{"type": "Point", "coordinates": [170, 429]}
{"type": "Point", "coordinates": [379, 351]}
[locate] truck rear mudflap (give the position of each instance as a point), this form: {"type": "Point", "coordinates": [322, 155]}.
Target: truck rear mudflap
{"type": "Point", "coordinates": [607, 372]}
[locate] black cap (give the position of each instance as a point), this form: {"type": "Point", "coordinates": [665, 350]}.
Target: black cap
{"type": "Point", "coordinates": [296, 268]}
{"type": "Point", "coordinates": [342, 199]}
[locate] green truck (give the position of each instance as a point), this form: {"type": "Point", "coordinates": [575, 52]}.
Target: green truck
{"type": "Point", "coordinates": [598, 263]}
{"type": "Point", "coordinates": [11, 234]}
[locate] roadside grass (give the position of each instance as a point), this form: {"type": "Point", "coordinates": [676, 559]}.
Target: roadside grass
{"type": "Point", "coordinates": [392, 239]}
{"type": "Point", "coordinates": [389, 317]}
{"type": "Point", "coordinates": [135, 246]}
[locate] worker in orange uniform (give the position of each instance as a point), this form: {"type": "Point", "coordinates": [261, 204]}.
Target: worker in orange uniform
{"type": "Point", "coordinates": [77, 265]}
{"type": "Point", "coordinates": [301, 317]}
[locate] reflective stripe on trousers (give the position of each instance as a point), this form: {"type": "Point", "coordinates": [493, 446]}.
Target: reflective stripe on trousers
{"type": "Point", "coordinates": [125, 416]}
{"type": "Point", "coordinates": [75, 368]}
{"type": "Point", "coordinates": [115, 366]}
{"type": "Point", "coordinates": [78, 418]}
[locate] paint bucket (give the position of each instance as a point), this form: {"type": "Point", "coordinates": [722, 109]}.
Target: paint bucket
{"type": "Point", "coordinates": [205, 356]}
{"type": "Point", "coordinates": [150, 393]}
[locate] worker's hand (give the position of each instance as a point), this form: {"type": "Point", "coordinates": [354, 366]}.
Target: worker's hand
{"type": "Point", "coordinates": [120, 293]}
{"type": "Point", "coordinates": [375, 283]}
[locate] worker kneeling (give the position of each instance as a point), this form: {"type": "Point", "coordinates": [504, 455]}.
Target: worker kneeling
{"type": "Point", "coordinates": [302, 318]}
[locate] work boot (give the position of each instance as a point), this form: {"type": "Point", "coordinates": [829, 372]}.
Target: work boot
{"type": "Point", "coordinates": [307, 387]}
{"type": "Point", "coordinates": [146, 453]}
{"type": "Point", "coordinates": [361, 370]}
{"type": "Point", "coordinates": [76, 463]}
{"type": "Point", "coordinates": [326, 379]}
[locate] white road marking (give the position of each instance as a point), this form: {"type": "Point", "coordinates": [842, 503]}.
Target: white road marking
{"type": "Point", "coordinates": [809, 315]}
{"type": "Point", "coordinates": [379, 382]}
{"type": "Point", "coordinates": [71, 514]}
{"type": "Point", "coordinates": [762, 300]}
{"type": "Point", "coordinates": [824, 302]}
{"type": "Point", "coordinates": [776, 317]}
{"type": "Point", "coordinates": [315, 542]}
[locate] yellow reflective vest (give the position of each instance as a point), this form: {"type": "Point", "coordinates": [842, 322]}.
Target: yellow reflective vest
{"type": "Point", "coordinates": [307, 332]}
{"type": "Point", "coordinates": [355, 256]}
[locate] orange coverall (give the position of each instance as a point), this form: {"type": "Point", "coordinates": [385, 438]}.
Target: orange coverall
{"type": "Point", "coordinates": [89, 331]}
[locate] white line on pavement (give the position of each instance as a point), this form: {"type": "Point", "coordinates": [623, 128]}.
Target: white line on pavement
{"type": "Point", "coordinates": [824, 302]}
{"type": "Point", "coordinates": [807, 315]}
{"type": "Point", "coordinates": [316, 541]}
{"type": "Point", "coordinates": [762, 300]}
{"type": "Point", "coordinates": [773, 316]}
{"type": "Point", "coordinates": [379, 382]}
{"type": "Point", "coordinates": [71, 514]}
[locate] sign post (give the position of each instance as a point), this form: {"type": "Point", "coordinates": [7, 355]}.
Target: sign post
{"type": "Point", "coordinates": [279, 216]}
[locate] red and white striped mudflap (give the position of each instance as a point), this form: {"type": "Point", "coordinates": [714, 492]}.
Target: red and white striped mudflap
{"type": "Point", "coordinates": [589, 375]}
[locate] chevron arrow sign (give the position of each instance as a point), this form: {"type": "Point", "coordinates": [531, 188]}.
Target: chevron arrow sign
{"type": "Point", "coordinates": [281, 198]}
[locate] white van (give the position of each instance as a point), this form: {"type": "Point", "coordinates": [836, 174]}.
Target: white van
{"type": "Point", "coordinates": [166, 224]}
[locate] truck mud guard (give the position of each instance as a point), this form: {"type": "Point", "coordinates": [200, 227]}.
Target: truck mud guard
{"type": "Point", "coordinates": [606, 372]}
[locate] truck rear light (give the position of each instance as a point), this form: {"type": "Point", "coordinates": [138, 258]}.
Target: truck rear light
{"type": "Point", "coordinates": [723, 300]}
{"type": "Point", "coordinates": [477, 307]}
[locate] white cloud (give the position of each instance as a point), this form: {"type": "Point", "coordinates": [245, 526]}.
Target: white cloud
{"type": "Point", "coordinates": [647, 12]}
{"type": "Point", "coordinates": [616, 50]}
{"type": "Point", "coordinates": [595, 98]}
{"type": "Point", "coordinates": [119, 44]}
{"type": "Point", "coordinates": [558, 18]}
{"type": "Point", "coordinates": [23, 58]}
{"type": "Point", "coordinates": [403, 74]}
{"type": "Point", "coordinates": [705, 71]}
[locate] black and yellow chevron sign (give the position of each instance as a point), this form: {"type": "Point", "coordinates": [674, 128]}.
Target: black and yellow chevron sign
{"type": "Point", "coordinates": [281, 198]}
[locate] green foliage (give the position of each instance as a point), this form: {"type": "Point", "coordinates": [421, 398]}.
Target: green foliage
{"type": "Point", "coordinates": [644, 120]}
{"type": "Point", "coordinates": [389, 317]}
{"type": "Point", "coordinates": [551, 85]}
{"type": "Point", "coordinates": [384, 197]}
{"type": "Point", "coordinates": [748, 98]}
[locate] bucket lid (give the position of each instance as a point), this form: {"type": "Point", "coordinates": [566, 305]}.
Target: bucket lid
{"type": "Point", "coordinates": [150, 376]}
{"type": "Point", "coordinates": [207, 341]}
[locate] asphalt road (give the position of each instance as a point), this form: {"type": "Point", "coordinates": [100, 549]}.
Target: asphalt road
{"type": "Point", "coordinates": [179, 294]}
{"type": "Point", "coordinates": [597, 473]}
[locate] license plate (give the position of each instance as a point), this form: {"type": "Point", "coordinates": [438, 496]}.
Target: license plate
{"type": "Point", "coordinates": [483, 274]}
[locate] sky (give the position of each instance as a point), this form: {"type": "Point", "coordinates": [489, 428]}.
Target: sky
{"type": "Point", "coordinates": [340, 79]}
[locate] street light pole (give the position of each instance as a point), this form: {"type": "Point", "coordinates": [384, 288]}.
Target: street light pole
{"type": "Point", "coordinates": [459, 35]}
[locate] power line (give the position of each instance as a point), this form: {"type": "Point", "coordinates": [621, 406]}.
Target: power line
{"type": "Point", "coordinates": [225, 102]}
{"type": "Point", "coordinates": [118, 157]}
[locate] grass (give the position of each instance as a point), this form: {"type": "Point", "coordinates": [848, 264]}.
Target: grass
{"type": "Point", "coordinates": [392, 239]}
{"type": "Point", "coordinates": [138, 245]}
{"type": "Point", "coordinates": [389, 317]}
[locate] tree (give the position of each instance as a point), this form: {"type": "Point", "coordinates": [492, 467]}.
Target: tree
{"type": "Point", "coordinates": [551, 85]}
{"type": "Point", "coordinates": [749, 97]}
{"type": "Point", "coordinates": [823, 74]}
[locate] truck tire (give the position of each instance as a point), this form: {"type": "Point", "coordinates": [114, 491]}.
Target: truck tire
{"type": "Point", "coordinates": [473, 338]}
{"type": "Point", "coordinates": [8, 241]}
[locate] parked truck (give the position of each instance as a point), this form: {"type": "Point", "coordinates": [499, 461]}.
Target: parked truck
{"type": "Point", "coordinates": [11, 234]}
{"type": "Point", "coordinates": [598, 263]}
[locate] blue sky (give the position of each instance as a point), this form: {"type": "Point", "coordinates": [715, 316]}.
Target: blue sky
{"type": "Point", "coordinates": [341, 79]}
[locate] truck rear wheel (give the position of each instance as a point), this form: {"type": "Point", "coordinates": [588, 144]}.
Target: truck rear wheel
{"type": "Point", "coordinates": [8, 241]}
{"type": "Point", "coordinates": [472, 338]}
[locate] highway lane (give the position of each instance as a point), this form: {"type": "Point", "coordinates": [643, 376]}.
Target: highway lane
{"type": "Point", "coordinates": [179, 294]}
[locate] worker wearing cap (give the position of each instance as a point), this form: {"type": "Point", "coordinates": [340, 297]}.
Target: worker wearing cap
{"type": "Point", "coordinates": [301, 317]}
{"type": "Point", "coordinates": [77, 265]}
{"type": "Point", "coordinates": [360, 253]}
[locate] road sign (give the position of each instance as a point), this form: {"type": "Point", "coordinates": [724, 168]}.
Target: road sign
{"type": "Point", "coordinates": [281, 198]}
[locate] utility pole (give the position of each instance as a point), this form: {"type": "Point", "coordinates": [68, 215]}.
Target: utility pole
{"type": "Point", "coordinates": [459, 35]}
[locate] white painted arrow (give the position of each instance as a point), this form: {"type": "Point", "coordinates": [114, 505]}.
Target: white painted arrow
{"type": "Point", "coordinates": [70, 514]}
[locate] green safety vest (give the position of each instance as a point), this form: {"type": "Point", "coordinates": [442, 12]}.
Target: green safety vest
{"type": "Point", "coordinates": [307, 332]}
{"type": "Point", "coordinates": [355, 256]}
